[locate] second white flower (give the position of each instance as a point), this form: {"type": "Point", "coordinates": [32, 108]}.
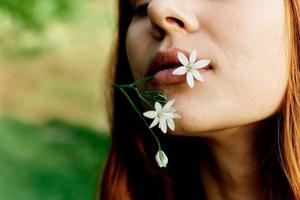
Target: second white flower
{"type": "Point", "coordinates": [163, 116]}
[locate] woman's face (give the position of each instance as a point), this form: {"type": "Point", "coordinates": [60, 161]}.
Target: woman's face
{"type": "Point", "coordinates": [244, 39]}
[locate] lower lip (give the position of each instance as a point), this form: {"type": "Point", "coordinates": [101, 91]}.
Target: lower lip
{"type": "Point", "coordinates": [166, 76]}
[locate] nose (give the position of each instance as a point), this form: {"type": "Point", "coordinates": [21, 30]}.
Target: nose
{"type": "Point", "coordinates": [168, 17]}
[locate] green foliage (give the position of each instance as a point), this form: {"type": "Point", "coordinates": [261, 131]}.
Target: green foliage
{"type": "Point", "coordinates": [56, 161]}
{"type": "Point", "coordinates": [35, 14]}
{"type": "Point", "coordinates": [26, 28]}
{"type": "Point", "coordinates": [153, 96]}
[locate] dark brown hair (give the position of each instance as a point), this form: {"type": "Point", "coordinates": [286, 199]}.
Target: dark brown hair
{"type": "Point", "coordinates": [131, 172]}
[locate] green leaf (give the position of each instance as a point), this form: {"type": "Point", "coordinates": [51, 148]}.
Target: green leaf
{"type": "Point", "coordinates": [153, 96]}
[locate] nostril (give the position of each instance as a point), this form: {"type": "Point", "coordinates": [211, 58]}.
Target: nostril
{"type": "Point", "coordinates": [175, 20]}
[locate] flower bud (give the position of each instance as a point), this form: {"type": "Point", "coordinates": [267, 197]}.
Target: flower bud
{"type": "Point", "coordinates": [161, 159]}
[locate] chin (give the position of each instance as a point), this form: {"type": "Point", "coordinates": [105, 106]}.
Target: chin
{"type": "Point", "coordinates": [184, 127]}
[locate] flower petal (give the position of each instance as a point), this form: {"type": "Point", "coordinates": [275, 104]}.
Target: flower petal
{"type": "Point", "coordinates": [154, 123]}
{"type": "Point", "coordinates": [179, 71]}
{"type": "Point", "coordinates": [168, 105]}
{"type": "Point", "coordinates": [193, 56]}
{"type": "Point", "coordinates": [163, 125]}
{"type": "Point", "coordinates": [190, 79]}
{"type": "Point", "coordinates": [171, 124]}
{"type": "Point", "coordinates": [150, 114]}
{"type": "Point", "coordinates": [197, 75]}
{"type": "Point", "coordinates": [157, 106]}
{"type": "Point", "coordinates": [172, 109]}
{"type": "Point", "coordinates": [167, 115]}
{"type": "Point", "coordinates": [175, 115]}
{"type": "Point", "coordinates": [182, 58]}
{"type": "Point", "coordinates": [201, 63]}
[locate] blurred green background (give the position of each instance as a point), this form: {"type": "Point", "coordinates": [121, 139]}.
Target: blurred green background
{"type": "Point", "coordinates": [53, 124]}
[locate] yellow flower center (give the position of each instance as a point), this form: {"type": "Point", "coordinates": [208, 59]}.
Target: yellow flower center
{"type": "Point", "coordinates": [189, 68]}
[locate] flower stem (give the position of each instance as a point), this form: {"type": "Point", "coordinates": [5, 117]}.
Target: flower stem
{"type": "Point", "coordinates": [140, 115]}
{"type": "Point", "coordinates": [134, 84]}
{"type": "Point", "coordinates": [138, 82]}
{"type": "Point", "coordinates": [136, 90]}
{"type": "Point", "coordinates": [122, 86]}
{"type": "Point", "coordinates": [141, 97]}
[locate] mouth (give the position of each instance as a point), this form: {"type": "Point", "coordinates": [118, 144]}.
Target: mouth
{"type": "Point", "coordinates": [164, 63]}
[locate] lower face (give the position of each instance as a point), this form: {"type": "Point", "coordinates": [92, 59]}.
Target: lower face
{"type": "Point", "coordinates": [245, 42]}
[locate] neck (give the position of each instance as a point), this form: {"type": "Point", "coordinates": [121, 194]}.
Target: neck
{"type": "Point", "coordinates": [231, 164]}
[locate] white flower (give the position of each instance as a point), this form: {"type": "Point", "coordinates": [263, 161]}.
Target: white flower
{"type": "Point", "coordinates": [163, 116]}
{"type": "Point", "coordinates": [161, 158]}
{"type": "Point", "coordinates": [190, 67]}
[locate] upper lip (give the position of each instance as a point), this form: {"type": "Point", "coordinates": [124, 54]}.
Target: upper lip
{"type": "Point", "coordinates": [165, 60]}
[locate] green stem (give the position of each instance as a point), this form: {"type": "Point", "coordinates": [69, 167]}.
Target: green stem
{"type": "Point", "coordinates": [145, 100]}
{"type": "Point", "coordinates": [131, 86]}
{"type": "Point", "coordinates": [138, 82]}
{"type": "Point", "coordinates": [140, 115]}
{"type": "Point", "coordinates": [134, 84]}
{"type": "Point", "coordinates": [122, 86]}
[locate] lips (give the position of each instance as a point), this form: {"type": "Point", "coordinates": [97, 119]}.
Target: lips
{"type": "Point", "coordinates": [164, 63]}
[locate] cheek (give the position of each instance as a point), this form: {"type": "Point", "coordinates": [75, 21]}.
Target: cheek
{"type": "Point", "coordinates": [250, 84]}
{"type": "Point", "coordinates": [254, 46]}
{"type": "Point", "coordinates": [136, 50]}
{"type": "Point", "coordinates": [257, 56]}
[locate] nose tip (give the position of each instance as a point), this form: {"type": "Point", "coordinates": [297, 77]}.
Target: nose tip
{"type": "Point", "coordinates": [170, 17]}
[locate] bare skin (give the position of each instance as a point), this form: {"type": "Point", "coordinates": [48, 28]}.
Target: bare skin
{"type": "Point", "coordinates": [231, 165]}
{"type": "Point", "coordinates": [244, 40]}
